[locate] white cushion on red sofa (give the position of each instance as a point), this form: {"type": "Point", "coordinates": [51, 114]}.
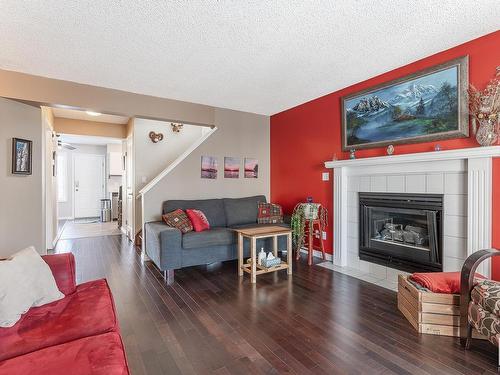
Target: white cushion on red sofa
{"type": "Point", "coordinates": [25, 281]}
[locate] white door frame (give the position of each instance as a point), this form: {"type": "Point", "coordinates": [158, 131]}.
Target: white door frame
{"type": "Point", "coordinates": [73, 157]}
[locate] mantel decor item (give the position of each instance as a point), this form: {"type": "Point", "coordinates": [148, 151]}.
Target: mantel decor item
{"type": "Point", "coordinates": [155, 137]}
{"type": "Point", "coordinates": [21, 156]}
{"type": "Point", "coordinates": [484, 109]}
{"type": "Point", "coordinates": [425, 106]}
{"type": "Point", "coordinates": [302, 213]}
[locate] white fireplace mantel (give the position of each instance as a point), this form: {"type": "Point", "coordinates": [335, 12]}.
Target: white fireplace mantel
{"type": "Point", "coordinates": [460, 154]}
{"type": "Point", "coordinates": [475, 163]}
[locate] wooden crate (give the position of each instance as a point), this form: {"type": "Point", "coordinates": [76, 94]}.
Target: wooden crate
{"type": "Point", "coordinates": [431, 313]}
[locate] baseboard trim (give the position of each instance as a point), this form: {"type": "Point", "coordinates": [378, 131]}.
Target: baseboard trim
{"type": "Point", "coordinates": [317, 254]}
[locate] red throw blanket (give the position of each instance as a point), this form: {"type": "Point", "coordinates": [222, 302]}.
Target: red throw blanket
{"type": "Point", "coordinates": [440, 282]}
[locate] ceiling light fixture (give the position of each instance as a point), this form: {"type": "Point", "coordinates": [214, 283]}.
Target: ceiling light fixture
{"type": "Point", "coordinates": [92, 113]}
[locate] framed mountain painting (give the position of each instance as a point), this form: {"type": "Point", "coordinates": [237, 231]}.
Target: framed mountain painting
{"type": "Point", "coordinates": [428, 105]}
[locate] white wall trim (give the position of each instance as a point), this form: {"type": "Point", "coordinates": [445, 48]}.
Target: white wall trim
{"type": "Point", "coordinates": [318, 254]}
{"type": "Point", "coordinates": [460, 154]}
{"type": "Point", "coordinates": [176, 162]}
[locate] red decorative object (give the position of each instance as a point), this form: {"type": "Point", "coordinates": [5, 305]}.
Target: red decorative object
{"type": "Point", "coordinates": [440, 282]}
{"type": "Point", "coordinates": [269, 213]}
{"type": "Point", "coordinates": [310, 234]}
{"type": "Point", "coordinates": [178, 219]}
{"type": "Point", "coordinates": [78, 334]}
{"type": "Point", "coordinates": [198, 219]}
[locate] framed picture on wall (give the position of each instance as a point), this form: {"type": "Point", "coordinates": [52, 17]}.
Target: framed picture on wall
{"type": "Point", "coordinates": [425, 106]}
{"type": "Point", "coordinates": [231, 167]}
{"type": "Point", "coordinates": [21, 156]}
{"type": "Point", "coordinates": [209, 167]}
{"type": "Point", "coordinates": [251, 168]}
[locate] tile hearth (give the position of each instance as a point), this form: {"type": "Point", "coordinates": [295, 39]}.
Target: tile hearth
{"type": "Point", "coordinates": [389, 281]}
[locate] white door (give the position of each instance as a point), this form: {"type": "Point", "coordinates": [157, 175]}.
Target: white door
{"type": "Point", "coordinates": [130, 190]}
{"type": "Point", "coordinates": [88, 184]}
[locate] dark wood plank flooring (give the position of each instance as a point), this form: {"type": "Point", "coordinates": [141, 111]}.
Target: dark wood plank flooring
{"type": "Point", "coordinates": [212, 322]}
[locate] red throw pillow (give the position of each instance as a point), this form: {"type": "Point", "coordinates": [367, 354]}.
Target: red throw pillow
{"type": "Point", "coordinates": [441, 282]}
{"type": "Point", "coordinates": [178, 219]}
{"type": "Point", "coordinates": [198, 220]}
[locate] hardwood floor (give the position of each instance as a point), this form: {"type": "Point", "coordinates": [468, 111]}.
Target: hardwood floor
{"type": "Point", "coordinates": [314, 322]}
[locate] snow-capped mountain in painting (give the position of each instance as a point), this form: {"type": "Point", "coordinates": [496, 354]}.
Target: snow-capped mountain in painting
{"type": "Point", "coordinates": [418, 107]}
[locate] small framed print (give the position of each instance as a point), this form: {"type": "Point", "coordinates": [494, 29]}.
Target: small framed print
{"type": "Point", "coordinates": [21, 156]}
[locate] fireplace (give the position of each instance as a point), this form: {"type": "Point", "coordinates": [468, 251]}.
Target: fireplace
{"type": "Point", "coordinates": [402, 231]}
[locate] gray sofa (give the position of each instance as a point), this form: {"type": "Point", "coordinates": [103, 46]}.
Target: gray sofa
{"type": "Point", "coordinates": [169, 249]}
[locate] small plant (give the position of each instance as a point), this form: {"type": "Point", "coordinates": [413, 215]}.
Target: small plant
{"type": "Point", "coordinates": [301, 214]}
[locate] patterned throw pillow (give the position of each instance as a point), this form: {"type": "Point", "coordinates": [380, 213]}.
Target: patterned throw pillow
{"type": "Point", "coordinates": [178, 219]}
{"type": "Point", "coordinates": [270, 213]}
{"type": "Point", "coordinates": [198, 219]}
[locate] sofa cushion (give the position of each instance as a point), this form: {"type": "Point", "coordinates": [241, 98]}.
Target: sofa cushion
{"type": "Point", "coordinates": [242, 210]}
{"type": "Point", "coordinates": [178, 219]}
{"type": "Point", "coordinates": [485, 322]}
{"type": "Point", "coordinates": [198, 219]}
{"type": "Point", "coordinates": [487, 295]}
{"type": "Point", "coordinates": [63, 269]}
{"type": "Point", "coordinates": [88, 311]}
{"type": "Point", "coordinates": [269, 213]}
{"type": "Point", "coordinates": [213, 237]}
{"type": "Point", "coordinates": [212, 208]}
{"type": "Point", "coordinates": [96, 355]}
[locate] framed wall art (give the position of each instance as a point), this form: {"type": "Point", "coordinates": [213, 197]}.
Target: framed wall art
{"type": "Point", "coordinates": [209, 167]}
{"type": "Point", "coordinates": [231, 167]}
{"type": "Point", "coordinates": [425, 106]}
{"type": "Point", "coordinates": [22, 156]}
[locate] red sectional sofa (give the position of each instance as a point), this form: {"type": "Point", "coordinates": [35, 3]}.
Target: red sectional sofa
{"type": "Point", "coordinates": [78, 334]}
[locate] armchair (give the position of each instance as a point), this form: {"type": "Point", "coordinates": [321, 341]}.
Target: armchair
{"type": "Point", "coordinates": [480, 303]}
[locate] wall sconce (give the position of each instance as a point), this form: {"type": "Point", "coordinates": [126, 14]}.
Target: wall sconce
{"type": "Point", "coordinates": [176, 128]}
{"type": "Point", "coordinates": [155, 137]}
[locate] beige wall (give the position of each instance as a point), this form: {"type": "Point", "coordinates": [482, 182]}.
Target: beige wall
{"type": "Point", "coordinates": [56, 92]}
{"type": "Point", "coordinates": [240, 135]}
{"type": "Point", "coordinates": [152, 158]}
{"type": "Point", "coordinates": [93, 128]}
{"type": "Point", "coordinates": [21, 197]}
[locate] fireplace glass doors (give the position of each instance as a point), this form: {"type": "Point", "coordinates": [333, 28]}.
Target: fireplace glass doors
{"type": "Point", "coordinates": [402, 231]}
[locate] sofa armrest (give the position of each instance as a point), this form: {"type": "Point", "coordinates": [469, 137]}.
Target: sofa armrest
{"type": "Point", "coordinates": [63, 269]}
{"type": "Point", "coordinates": [163, 245]}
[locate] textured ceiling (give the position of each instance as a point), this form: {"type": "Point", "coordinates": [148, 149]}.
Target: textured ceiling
{"type": "Point", "coordinates": [256, 56]}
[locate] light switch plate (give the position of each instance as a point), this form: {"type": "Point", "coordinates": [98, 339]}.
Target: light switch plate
{"type": "Point", "coordinates": [325, 176]}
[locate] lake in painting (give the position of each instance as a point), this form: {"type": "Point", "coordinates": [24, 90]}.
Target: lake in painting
{"type": "Point", "coordinates": [231, 167]}
{"type": "Point", "coordinates": [251, 168]}
{"type": "Point", "coordinates": [422, 106]}
{"type": "Point", "coordinates": [208, 167]}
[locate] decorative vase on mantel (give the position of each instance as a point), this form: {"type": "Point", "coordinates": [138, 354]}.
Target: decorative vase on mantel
{"type": "Point", "coordinates": [484, 109]}
{"type": "Point", "coordinates": [487, 131]}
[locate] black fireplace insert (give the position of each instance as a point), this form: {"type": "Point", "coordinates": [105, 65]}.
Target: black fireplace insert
{"type": "Point", "coordinates": [402, 231]}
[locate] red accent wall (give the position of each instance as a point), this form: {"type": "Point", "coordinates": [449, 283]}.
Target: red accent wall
{"type": "Point", "coordinates": [304, 137]}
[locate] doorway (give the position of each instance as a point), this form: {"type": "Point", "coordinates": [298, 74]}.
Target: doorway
{"type": "Point", "coordinates": [88, 185]}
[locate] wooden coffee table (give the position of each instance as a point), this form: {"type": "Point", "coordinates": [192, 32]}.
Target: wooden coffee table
{"type": "Point", "coordinates": [253, 234]}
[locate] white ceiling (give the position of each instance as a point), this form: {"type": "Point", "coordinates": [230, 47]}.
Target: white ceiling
{"type": "Point", "coordinates": [256, 56]}
{"type": "Point", "coordinates": [82, 115]}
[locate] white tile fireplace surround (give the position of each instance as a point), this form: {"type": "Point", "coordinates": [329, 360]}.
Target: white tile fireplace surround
{"type": "Point", "coordinates": [464, 177]}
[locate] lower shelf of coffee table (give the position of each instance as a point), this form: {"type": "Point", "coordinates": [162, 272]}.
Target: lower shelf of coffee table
{"type": "Point", "coordinates": [261, 269]}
